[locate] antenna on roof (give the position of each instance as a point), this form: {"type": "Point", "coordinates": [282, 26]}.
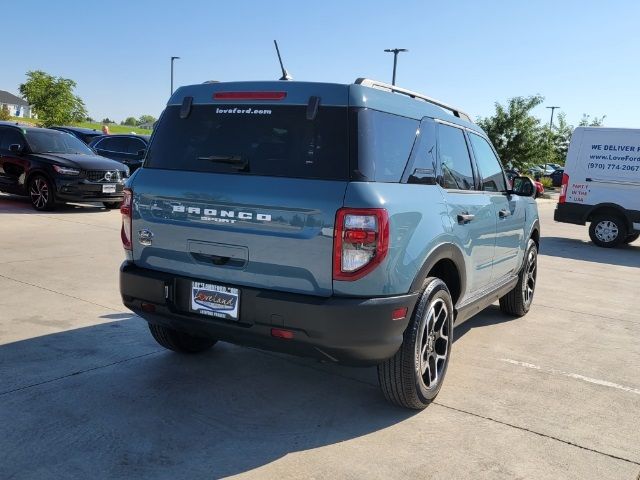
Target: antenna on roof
{"type": "Point", "coordinates": [285, 74]}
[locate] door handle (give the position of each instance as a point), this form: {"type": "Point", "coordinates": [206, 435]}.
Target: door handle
{"type": "Point", "coordinates": [464, 218]}
{"type": "Point", "coordinates": [504, 213]}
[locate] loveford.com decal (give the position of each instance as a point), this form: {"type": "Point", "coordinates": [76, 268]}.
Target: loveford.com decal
{"type": "Point", "coordinates": [249, 111]}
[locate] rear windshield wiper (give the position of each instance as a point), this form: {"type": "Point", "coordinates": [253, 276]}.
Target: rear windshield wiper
{"type": "Point", "coordinates": [234, 161]}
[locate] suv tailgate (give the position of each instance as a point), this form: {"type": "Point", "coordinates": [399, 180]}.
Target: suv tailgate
{"type": "Point", "coordinates": [267, 232]}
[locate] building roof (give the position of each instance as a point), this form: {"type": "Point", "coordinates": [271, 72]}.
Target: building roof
{"type": "Point", "coordinates": [11, 99]}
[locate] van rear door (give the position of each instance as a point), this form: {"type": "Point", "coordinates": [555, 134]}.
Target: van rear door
{"type": "Point", "coordinates": [243, 194]}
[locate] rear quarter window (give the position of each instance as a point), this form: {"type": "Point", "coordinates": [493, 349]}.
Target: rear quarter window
{"type": "Point", "coordinates": [383, 144]}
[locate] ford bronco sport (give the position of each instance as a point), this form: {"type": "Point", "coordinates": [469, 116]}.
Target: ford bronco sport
{"type": "Point", "coordinates": [352, 223]}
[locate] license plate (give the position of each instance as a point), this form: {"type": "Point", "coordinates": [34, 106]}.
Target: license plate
{"type": "Point", "coordinates": [108, 189]}
{"type": "Point", "coordinates": [215, 300]}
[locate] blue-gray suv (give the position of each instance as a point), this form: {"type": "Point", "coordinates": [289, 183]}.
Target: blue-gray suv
{"type": "Point", "coordinates": [357, 224]}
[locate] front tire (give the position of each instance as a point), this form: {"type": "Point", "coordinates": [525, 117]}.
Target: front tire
{"type": "Point", "coordinates": [413, 376]}
{"type": "Point", "coordinates": [608, 231]}
{"type": "Point", "coordinates": [518, 301]}
{"type": "Point", "coordinates": [179, 341]}
{"type": "Point", "coordinates": [41, 193]}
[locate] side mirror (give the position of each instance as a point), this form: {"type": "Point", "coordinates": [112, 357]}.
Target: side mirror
{"type": "Point", "coordinates": [15, 148]}
{"type": "Point", "coordinates": [523, 186]}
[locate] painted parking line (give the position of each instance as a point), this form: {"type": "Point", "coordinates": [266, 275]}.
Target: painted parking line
{"type": "Point", "coordinates": [577, 376]}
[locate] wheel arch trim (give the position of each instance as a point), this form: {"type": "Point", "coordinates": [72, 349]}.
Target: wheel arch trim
{"type": "Point", "coordinates": [445, 251]}
{"type": "Point", "coordinates": [608, 206]}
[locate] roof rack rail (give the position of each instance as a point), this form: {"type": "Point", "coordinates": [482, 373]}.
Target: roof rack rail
{"type": "Point", "coordinates": [367, 82]}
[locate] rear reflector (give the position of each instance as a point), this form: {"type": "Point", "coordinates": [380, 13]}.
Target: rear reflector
{"type": "Point", "coordinates": [399, 313]}
{"type": "Point", "coordinates": [280, 333]}
{"type": "Point", "coordinates": [148, 307]}
{"type": "Point", "coordinates": [249, 95]}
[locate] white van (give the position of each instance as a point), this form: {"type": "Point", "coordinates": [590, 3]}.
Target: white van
{"type": "Point", "coordinates": [601, 184]}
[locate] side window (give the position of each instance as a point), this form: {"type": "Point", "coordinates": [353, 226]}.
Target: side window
{"type": "Point", "coordinates": [134, 145]}
{"type": "Point", "coordinates": [488, 165]}
{"type": "Point", "coordinates": [115, 144]}
{"type": "Point", "coordinates": [384, 143]}
{"type": "Point", "coordinates": [9, 136]}
{"type": "Point", "coordinates": [454, 159]}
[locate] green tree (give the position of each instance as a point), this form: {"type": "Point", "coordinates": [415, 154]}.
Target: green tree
{"type": "Point", "coordinates": [130, 121]}
{"type": "Point", "coordinates": [587, 121]}
{"type": "Point", "coordinates": [515, 133]}
{"type": "Point", "coordinates": [146, 119]}
{"type": "Point", "coordinates": [53, 99]}
{"type": "Point", "coordinates": [4, 113]}
{"type": "Point", "coordinates": [560, 139]}
{"type": "Point", "coordinates": [107, 121]}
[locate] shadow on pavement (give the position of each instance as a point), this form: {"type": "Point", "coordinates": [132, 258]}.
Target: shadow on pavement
{"type": "Point", "coordinates": [625, 255]}
{"type": "Point", "coordinates": [489, 316]}
{"type": "Point", "coordinates": [18, 204]}
{"type": "Point", "coordinates": [111, 403]}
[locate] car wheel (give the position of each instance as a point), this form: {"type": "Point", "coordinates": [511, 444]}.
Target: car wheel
{"type": "Point", "coordinates": [111, 205]}
{"type": "Point", "coordinates": [632, 238]}
{"type": "Point", "coordinates": [41, 193]}
{"type": "Point", "coordinates": [413, 376]}
{"type": "Point", "coordinates": [518, 301]}
{"type": "Point", "coordinates": [179, 341]}
{"type": "Point", "coordinates": [608, 231]}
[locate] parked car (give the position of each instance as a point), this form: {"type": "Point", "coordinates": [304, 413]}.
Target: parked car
{"type": "Point", "coordinates": [556, 177]}
{"type": "Point", "coordinates": [548, 169]}
{"type": "Point", "coordinates": [535, 172]}
{"type": "Point", "coordinates": [300, 217]}
{"type": "Point", "coordinates": [51, 166]}
{"type": "Point", "coordinates": [601, 184]}
{"type": "Point", "coordinates": [84, 134]}
{"type": "Point", "coordinates": [127, 149]}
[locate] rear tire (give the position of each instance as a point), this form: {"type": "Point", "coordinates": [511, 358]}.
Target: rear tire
{"type": "Point", "coordinates": [179, 341]}
{"type": "Point", "coordinates": [518, 301]}
{"type": "Point", "coordinates": [632, 238]}
{"type": "Point", "coordinates": [111, 205]}
{"type": "Point", "coordinates": [608, 230]}
{"type": "Point", "coordinates": [413, 376]}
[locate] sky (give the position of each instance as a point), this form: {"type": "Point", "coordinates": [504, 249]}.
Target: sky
{"type": "Point", "coordinates": [583, 56]}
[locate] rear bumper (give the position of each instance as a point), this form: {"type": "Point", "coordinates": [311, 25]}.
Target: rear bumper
{"type": "Point", "coordinates": [353, 331]}
{"type": "Point", "coordinates": [571, 213]}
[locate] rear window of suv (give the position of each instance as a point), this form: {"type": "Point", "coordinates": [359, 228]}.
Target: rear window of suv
{"type": "Point", "coordinates": [270, 140]}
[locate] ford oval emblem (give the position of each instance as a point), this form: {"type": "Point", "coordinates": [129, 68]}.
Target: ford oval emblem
{"type": "Point", "coordinates": [145, 237]}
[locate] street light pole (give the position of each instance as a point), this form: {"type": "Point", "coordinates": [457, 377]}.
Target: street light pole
{"type": "Point", "coordinates": [172, 59]}
{"type": "Point", "coordinates": [395, 52]}
{"type": "Point", "coordinates": [553, 109]}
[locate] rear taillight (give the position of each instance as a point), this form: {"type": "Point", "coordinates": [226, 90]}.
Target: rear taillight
{"type": "Point", "coordinates": [125, 210]}
{"type": "Point", "coordinates": [563, 189]}
{"type": "Point", "coordinates": [361, 241]}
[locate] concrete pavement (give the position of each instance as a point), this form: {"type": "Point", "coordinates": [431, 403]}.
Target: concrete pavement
{"type": "Point", "coordinates": [85, 391]}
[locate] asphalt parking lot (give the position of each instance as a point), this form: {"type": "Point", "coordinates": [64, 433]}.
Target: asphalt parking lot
{"type": "Point", "coordinates": [86, 393]}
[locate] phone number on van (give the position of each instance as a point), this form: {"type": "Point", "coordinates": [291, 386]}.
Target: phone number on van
{"type": "Point", "coordinates": [613, 166]}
